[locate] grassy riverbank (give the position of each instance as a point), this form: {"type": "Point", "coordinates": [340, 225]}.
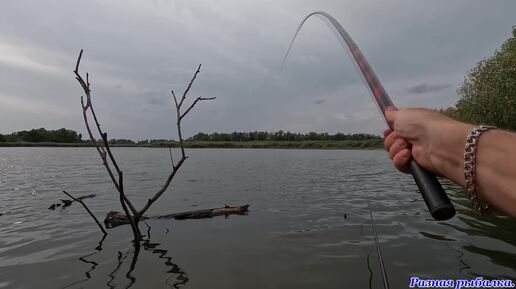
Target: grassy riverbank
{"type": "Point", "coordinates": [344, 144]}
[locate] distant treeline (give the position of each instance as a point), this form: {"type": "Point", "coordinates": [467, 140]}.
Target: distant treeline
{"type": "Point", "coordinates": [63, 135]}
{"type": "Point", "coordinates": [279, 136]}
{"type": "Point", "coordinates": [43, 135]}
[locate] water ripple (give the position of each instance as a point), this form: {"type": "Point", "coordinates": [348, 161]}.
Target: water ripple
{"type": "Point", "coordinates": [308, 226]}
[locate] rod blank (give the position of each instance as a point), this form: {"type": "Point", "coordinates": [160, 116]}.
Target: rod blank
{"type": "Point", "coordinates": [435, 197]}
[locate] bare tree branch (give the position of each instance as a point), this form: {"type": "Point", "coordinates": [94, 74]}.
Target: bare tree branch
{"type": "Point", "coordinates": [193, 104]}
{"type": "Point", "coordinates": [101, 150]}
{"type": "Point", "coordinates": [108, 159]}
{"type": "Point", "coordinates": [163, 188]}
{"type": "Point", "coordinates": [89, 212]}
{"type": "Point", "coordinates": [180, 136]}
{"type": "Point", "coordinates": [189, 85]}
{"type": "Point", "coordinates": [171, 156]}
{"type": "Point", "coordinates": [175, 98]}
{"type": "Point", "coordinates": [179, 117]}
{"type": "Point", "coordinates": [132, 221]}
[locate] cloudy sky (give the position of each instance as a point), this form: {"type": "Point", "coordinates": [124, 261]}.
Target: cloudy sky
{"type": "Point", "coordinates": [137, 51]}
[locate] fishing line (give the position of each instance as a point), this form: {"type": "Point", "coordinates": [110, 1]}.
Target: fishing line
{"type": "Point", "coordinates": [367, 261]}
{"type": "Point", "coordinates": [377, 244]}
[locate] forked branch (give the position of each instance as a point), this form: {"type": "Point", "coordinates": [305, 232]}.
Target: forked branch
{"type": "Point", "coordinates": [179, 115]}
{"type": "Point", "coordinates": [102, 150]}
{"type": "Point", "coordinates": [108, 159]}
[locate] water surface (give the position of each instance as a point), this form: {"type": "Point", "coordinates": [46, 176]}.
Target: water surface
{"type": "Point", "coordinates": [308, 226]}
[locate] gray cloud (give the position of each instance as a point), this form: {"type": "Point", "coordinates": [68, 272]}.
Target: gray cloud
{"type": "Point", "coordinates": [137, 51]}
{"type": "Point", "coordinates": [320, 101]}
{"type": "Point", "coordinates": [424, 88]}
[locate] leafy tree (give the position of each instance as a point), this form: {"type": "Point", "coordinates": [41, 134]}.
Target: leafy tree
{"type": "Point", "coordinates": [488, 94]}
{"type": "Point", "coordinates": [2, 139]}
{"type": "Point", "coordinates": [42, 135]}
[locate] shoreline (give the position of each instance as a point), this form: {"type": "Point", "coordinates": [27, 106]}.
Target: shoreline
{"type": "Point", "coordinates": [348, 144]}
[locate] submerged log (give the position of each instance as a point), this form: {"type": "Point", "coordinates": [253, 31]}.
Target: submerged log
{"type": "Point", "coordinates": [115, 219]}
{"type": "Point", "coordinates": [67, 203]}
{"type": "Point", "coordinates": [208, 213]}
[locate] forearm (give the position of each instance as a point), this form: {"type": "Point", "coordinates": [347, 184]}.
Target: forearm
{"type": "Point", "coordinates": [495, 163]}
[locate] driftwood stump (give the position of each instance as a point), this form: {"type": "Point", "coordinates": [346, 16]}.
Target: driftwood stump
{"type": "Point", "coordinates": [115, 219]}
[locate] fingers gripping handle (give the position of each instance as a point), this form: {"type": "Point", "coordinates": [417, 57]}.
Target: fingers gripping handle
{"type": "Point", "coordinates": [435, 198]}
{"type": "Point", "coordinates": [433, 193]}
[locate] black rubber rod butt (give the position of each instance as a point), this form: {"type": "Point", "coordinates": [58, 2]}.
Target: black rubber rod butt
{"type": "Point", "coordinates": [433, 193]}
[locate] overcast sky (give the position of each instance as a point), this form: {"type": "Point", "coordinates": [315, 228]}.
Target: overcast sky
{"type": "Point", "coordinates": [137, 51]}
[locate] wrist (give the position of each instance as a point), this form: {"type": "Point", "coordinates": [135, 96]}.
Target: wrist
{"type": "Point", "coordinates": [449, 150]}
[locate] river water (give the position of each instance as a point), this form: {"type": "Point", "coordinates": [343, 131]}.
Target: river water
{"type": "Point", "coordinates": [308, 225]}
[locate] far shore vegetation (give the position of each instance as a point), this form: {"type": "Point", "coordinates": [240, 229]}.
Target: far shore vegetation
{"type": "Point", "coordinates": [256, 139]}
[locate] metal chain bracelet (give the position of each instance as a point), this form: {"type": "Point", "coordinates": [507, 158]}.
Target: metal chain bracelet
{"type": "Point", "coordinates": [470, 166]}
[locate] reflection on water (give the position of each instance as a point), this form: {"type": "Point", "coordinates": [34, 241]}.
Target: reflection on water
{"type": "Point", "coordinates": [181, 278]}
{"type": "Point", "coordinates": [94, 264]}
{"type": "Point", "coordinates": [308, 226]}
{"type": "Point", "coordinates": [495, 226]}
{"type": "Point", "coordinates": [175, 279]}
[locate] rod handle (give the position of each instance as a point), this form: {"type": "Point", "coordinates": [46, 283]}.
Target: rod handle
{"type": "Point", "coordinates": [433, 193]}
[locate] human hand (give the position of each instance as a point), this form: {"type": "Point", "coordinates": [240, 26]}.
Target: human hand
{"type": "Point", "coordinates": [437, 143]}
{"type": "Point", "coordinates": [425, 135]}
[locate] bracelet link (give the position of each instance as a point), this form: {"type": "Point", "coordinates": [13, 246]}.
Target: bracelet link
{"type": "Point", "coordinates": [470, 166]}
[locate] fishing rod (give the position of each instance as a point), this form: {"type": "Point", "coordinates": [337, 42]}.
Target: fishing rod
{"type": "Point", "coordinates": [435, 197]}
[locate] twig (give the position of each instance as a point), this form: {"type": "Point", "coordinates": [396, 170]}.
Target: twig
{"type": "Point", "coordinates": [89, 212]}
{"type": "Point", "coordinates": [190, 85]}
{"type": "Point", "coordinates": [193, 104]}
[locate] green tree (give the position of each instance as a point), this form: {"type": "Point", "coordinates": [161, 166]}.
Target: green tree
{"type": "Point", "coordinates": [488, 94]}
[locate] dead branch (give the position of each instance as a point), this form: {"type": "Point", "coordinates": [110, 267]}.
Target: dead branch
{"type": "Point", "coordinates": [193, 104]}
{"type": "Point", "coordinates": [208, 213]}
{"type": "Point", "coordinates": [67, 203]}
{"type": "Point", "coordinates": [86, 197]}
{"type": "Point", "coordinates": [171, 156]}
{"type": "Point", "coordinates": [103, 149]}
{"type": "Point", "coordinates": [87, 210]}
{"type": "Point", "coordinates": [132, 216]}
{"type": "Point", "coordinates": [179, 116]}
{"type": "Point", "coordinates": [190, 85]}
{"type": "Point", "coordinates": [115, 219]}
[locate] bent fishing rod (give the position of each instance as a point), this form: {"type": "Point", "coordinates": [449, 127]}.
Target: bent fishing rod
{"type": "Point", "coordinates": [435, 197]}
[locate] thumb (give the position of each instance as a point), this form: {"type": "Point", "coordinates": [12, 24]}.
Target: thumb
{"type": "Point", "coordinates": [391, 113]}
